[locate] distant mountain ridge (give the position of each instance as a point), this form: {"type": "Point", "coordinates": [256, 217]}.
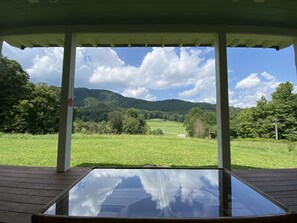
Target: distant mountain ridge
{"type": "Point", "coordinates": [91, 97]}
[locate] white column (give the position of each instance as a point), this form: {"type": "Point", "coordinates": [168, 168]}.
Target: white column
{"type": "Point", "coordinates": [1, 47]}
{"type": "Point", "coordinates": [224, 157]}
{"type": "Point", "coordinates": [66, 107]}
{"type": "Point", "coordinates": [295, 53]}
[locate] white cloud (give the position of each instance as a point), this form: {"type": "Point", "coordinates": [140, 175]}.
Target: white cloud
{"type": "Point", "coordinates": [141, 93]}
{"type": "Point", "coordinates": [250, 81]}
{"type": "Point", "coordinates": [47, 68]}
{"type": "Point", "coordinates": [88, 60]}
{"type": "Point", "coordinates": [267, 76]}
{"type": "Point", "coordinates": [244, 96]}
{"type": "Point", "coordinates": [163, 68]}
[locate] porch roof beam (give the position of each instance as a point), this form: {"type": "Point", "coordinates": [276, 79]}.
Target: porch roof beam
{"type": "Point", "coordinates": [149, 28]}
{"type": "Point", "coordinates": [149, 35]}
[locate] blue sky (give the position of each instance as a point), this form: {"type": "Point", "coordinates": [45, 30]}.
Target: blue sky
{"type": "Point", "coordinates": [164, 73]}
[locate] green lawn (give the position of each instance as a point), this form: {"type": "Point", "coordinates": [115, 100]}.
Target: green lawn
{"type": "Point", "coordinates": [167, 127]}
{"type": "Point", "coordinates": [92, 150]}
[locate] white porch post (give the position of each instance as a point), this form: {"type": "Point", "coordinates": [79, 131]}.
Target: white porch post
{"type": "Point", "coordinates": [295, 53]}
{"type": "Point", "coordinates": [66, 107]}
{"type": "Point", "coordinates": [224, 157]}
{"type": "Point", "coordinates": [1, 46]}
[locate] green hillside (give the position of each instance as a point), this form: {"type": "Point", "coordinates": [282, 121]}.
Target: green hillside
{"type": "Point", "coordinates": [112, 100]}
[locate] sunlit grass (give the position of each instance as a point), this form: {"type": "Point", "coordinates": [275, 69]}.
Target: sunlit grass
{"type": "Point", "coordinates": [139, 150]}
{"type": "Point", "coordinates": [167, 127]}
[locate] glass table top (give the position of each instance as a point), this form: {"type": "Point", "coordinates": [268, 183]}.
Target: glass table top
{"type": "Point", "coordinates": [162, 193]}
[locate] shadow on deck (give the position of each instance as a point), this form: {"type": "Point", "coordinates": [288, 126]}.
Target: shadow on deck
{"type": "Point", "coordinates": [24, 190]}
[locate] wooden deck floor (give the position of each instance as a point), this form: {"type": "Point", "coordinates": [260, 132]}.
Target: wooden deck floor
{"type": "Point", "coordinates": [24, 190]}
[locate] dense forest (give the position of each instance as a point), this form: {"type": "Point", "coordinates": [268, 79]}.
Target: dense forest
{"type": "Point", "coordinates": [94, 105]}
{"type": "Point", "coordinates": [34, 108]}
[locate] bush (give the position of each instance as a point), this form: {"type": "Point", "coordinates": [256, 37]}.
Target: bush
{"type": "Point", "coordinates": [157, 132]}
{"type": "Point", "coordinates": [132, 126]}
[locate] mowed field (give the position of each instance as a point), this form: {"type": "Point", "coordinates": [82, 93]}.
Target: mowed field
{"type": "Point", "coordinates": [167, 127]}
{"type": "Point", "coordinates": [139, 150]}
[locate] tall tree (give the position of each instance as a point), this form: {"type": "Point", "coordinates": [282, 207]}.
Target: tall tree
{"type": "Point", "coordinates": [134, 122]}
{"type": "Point", "coordinates": [246, 124]}
{"type": "Point", "coordinates": [39, 114]}
{"type": "Point", "coordinates": [14, 86]}
{"type": "Point", "coordinates": [200, 124]}
{"type": "Point", "coordinates": [284, 110]}
{"type": "Point", "coordinates": [263, 116]}
{"type": "Point", "coordinates": [115, 122]}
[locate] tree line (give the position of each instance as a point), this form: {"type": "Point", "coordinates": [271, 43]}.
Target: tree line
{"type": "Point", "coordinates": [268, 119]}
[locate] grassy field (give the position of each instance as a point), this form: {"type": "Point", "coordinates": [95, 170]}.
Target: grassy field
{"type": "Point", "coordinates": [167, 127]}
{"type": "Point", "coordinates": [117, 150]}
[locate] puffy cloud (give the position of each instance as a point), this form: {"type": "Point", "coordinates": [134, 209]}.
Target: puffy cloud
{"type": "Point", "coordinates": [250, 81]}
{"type": "Point", "coordinates": [47, 68]}
{"type": "Point", "coordinates": [244, 96]}
{"type": "Point", "coordinates": [267, 76]}
{"type": "Point", "coordinates": [162, 68]}
{"type": "Point", "coordinates": [141, 93]}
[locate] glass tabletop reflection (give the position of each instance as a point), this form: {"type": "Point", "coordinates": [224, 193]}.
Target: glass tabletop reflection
{"type": "Point", "coordinates": [162, 193]}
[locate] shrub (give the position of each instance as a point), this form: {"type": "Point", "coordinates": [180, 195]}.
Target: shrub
{"type": "Point", "coordinates": [157, 132]}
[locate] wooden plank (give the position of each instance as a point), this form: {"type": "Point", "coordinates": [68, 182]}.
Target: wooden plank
{"type": "Point", "coordinates": [267, 179]}
{"type": "Point", "coordinates": [30, 191]}
{"type": "Point", "coordinates": [258, 175]}
{"type": "Point", "coordinates": [273, 183]}
{"type": "Point", "coordinates": [19, 207]}
{"type": "Point", "coordinates": [34, 180]}
{"type": "Point", "coordinates": [30, 168]}
{"type": "Point", "coordinates": [40, 171]}
{"type": "Point", "coordinates": [266, 170]}
{"type": "Point", "coordinates": [53, 176]}
{"type": "Point", "coordinates": [280, 194]}
{"type": "Point", "coordinates": [13, 217]}
{"type": "Point", "coordinates": [28, 199]}
{"type": "Point", "coordinates": [263, 171]}
{"type": "Point", "coordinates": [33, 185]}
{"type": "Point", "coordinates": [289, 201]}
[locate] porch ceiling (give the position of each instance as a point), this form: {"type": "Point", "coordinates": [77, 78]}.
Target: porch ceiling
{"type": "Point", "coordinates": [31, 23]}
